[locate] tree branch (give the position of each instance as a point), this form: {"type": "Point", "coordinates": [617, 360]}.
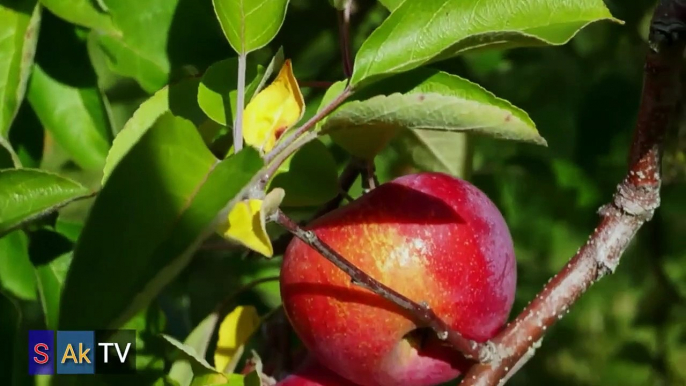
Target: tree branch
{"type": "Point", "coordinates": [423, 314]}
{"type": "Point", "coordinates": [633, 204]}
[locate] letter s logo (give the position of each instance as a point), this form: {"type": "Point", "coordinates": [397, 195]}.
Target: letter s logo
{"type": "Point", "coordinates": [44, 355]}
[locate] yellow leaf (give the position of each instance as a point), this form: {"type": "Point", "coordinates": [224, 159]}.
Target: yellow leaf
{"type": "Point", "coordinates": [273, 110]}
{"type": "Point", "coordinates": [247, 222]}
{"type": "Point", "coordinates": [234, 332]}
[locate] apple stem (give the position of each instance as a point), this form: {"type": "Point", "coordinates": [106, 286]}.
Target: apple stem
{"type": "Point", "coordinates": [421, 311]}
{"type": "Point", "coordinates": [369, 179]}
{"type": "Point", "coordinates": [636, 199]}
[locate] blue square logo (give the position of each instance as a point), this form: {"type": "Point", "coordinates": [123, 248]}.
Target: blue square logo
{"type": "Point", "coordinates": [75, 352]}
{"type": "Point", "coordinates": [41, 352]}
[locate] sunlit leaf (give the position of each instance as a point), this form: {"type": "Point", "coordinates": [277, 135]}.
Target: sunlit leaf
{"type": "Point", "coordinates": [161, 40]}
{"type": "Point", "coordinates": [160, 202]}
{"type": "Point", "coordinates": [81, 12]}
{"type": "Point", "coordinates": [28, 194]}
{"type": "Point", "coordinates": [420, 32]}
{"type": "Point", "coordinates": [234, 332]}
{"type": "Point", "coordinates": [182, 370]}
{"type": "Point", "coordinates": [425, 99]}
{"type": "Point", "coordinates": [75, 116]}
{"type": "Point", "coordinates": [247, 221]}
{"type": "Point", "coordinates": [438, 151]}
{"type": "Point", "coordinates": [19, 25]}
{"type": "Point", "coordinates": [140, 51]}
{"type": "Point", "coordinates": [391, 4]}
{"type": "Point", "coordinates": [197, 362]}
{"type": "Point", "coordinates": [180, 99]}
{"type": "Point", "coordinates": [220, 380]}
{"type": "Point", "coordinates": [273, 111]}
{"type": "Point", "coordinates": [250, 24]}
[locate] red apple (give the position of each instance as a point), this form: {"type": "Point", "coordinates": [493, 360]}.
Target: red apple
{"type": "Point", "coordinates": [431, 237]}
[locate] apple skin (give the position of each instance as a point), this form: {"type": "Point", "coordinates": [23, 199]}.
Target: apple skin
{"type": "Point", "coordinates": [431, 237]}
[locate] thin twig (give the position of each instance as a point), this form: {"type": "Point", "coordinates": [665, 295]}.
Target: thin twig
{"type": "Point", "coordinates": [344, 38]}
{"type": "Point", "coordinates": [634, 203]}
{"type": "Point", "coordinates": [240, 104]}
{"type": "Point", "coordinates": [420, 311]}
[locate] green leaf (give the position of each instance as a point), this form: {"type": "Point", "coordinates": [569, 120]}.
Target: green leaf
{"type": "Point", "coordinates": [430, 100]}
{"type": "Point", "coordinates": [201, 372]}
{"type": "Point", "coordinates": [64, 94]}
{"type": "Point", "coordinates": [391, 5]}
{"type": "Point", "coordinates": [28, 194]}
{"type": "Point", "coordinates": [217, 94]}
{"type": "Point", "coordinates": [438, 151]}
{"type": "Point", "coordinates": [309, 178]}
{"type": "Point", "coordinates": [141, 50]}
{"type": "Point", "coordinates": [197, 341]}
{"type": "Point", "coordinates": [75, 116]}
{"type": "Point", "coordinates": [219, 380]}
{"type": "Point", "coordinates": [19, 24]}
{"type": "Point", "coordinates": [50, 281]}
{"type": "Point", "coordinates": [81, 12]}
{"type": "Point", "coordinates": [180, 99]}
{"type": "Point", "coordinates": [16, 270]}
{"type": "Point", "coordinates": [331, 93]}
{"type": "Point", "coordinates": [250, 24]}
{"type": "Point", "coordinates": [158, 204]}
{"type": "Point", "coordinates": [8, 158]}
{"type": "Point", "coordinates": [421, 32]}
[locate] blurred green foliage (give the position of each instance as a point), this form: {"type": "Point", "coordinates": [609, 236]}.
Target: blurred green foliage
{"type": "Point", "coordinates": [630, 329]}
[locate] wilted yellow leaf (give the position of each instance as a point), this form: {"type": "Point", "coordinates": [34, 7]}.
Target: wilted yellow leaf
{"type": "Point", "coordinates": [273, 110]}
{"type": "Point", "coordinates": [247, 222]}
{"type": "Point", "coordinates": [234, 332]}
